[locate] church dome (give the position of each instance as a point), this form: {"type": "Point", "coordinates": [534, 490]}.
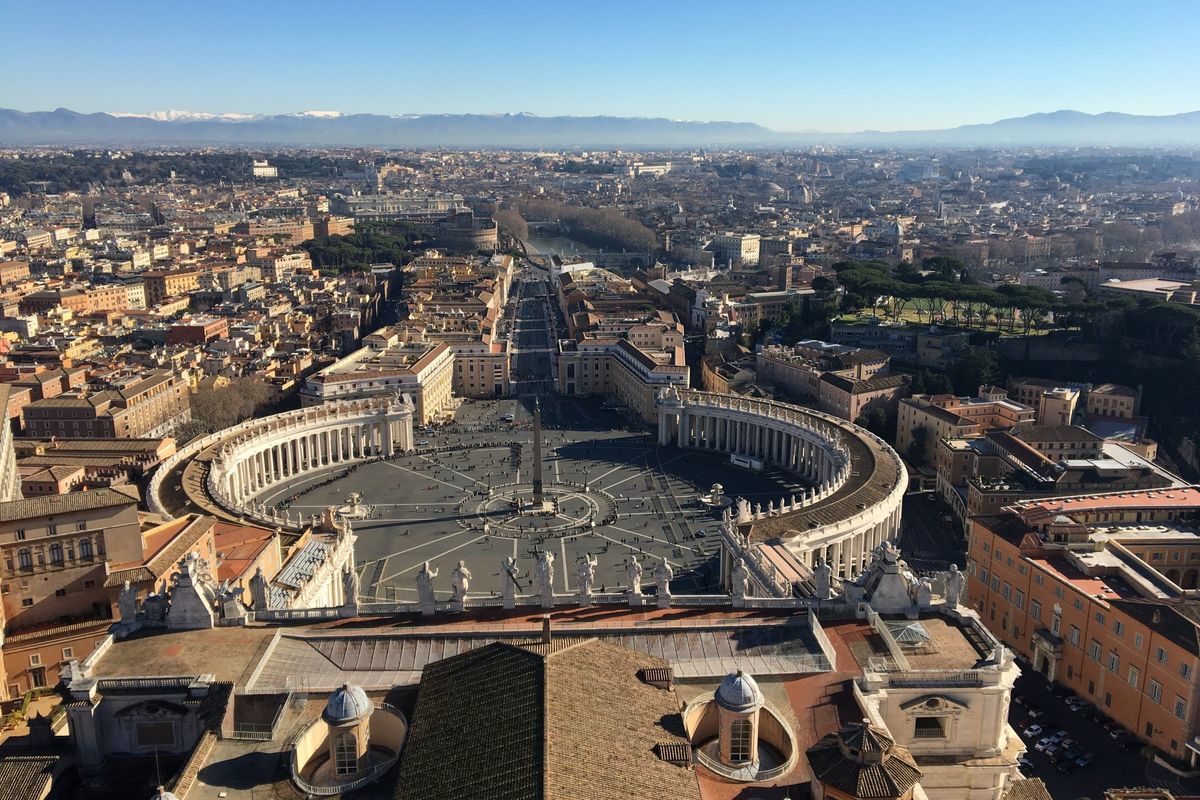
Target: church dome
{"type": "Point", "coordinates": [347, 704]}
{"type": "Point", "coordinates": [738, 692]}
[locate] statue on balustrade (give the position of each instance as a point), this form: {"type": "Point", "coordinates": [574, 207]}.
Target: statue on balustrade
{"type": "Point", "coordinates": [633, 572]}
{"type": "Point", "coordinates": [585, 573]}
{"type": "Point", "coordinates": [460, 581]}
{"type": "Point", "coordinates": [509, 571]}
{"type": "Point", "coordinates": [740, 579]}
{"type": "Point", "coordinates": [425, 595]}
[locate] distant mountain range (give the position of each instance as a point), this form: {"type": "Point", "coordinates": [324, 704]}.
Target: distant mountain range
{"type": "Point", "coordinates": [330, 128]}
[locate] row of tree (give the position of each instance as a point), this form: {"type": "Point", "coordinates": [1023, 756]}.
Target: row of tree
{"type": "Point", "coordinates": [600, 227]}
{"type": "Point", "coordinates": [219, 405]}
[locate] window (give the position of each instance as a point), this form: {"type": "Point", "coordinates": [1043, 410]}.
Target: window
{"type": "Point", "coordinates": [1108, 698]}
{"type": "Point", "coordinates": [81, 526]}
{"type": "Point", "coordinates": [1073, 637]}
{"type": "Point", "coordinates": [1134, 676]}
{"type": "Point", "coordinates": [1155, 691]}
{"type": "Point", "coordinates": [1038, 579]}
{"type": "Point", "coordinates": [27, 602]}
{"type": "Point", "coordinates": [89, 584]}
{"type": "Point", "coordinates": [1094, 650]}
{"type": "Point", "coordinates": [1149, 729]}
{"type": "Point", "coordinates": [20, 534]}
{"type": "Point", "coordinates": [995, 583]}
{"type": "Point", "coordinates": [1180, 707]}
{"type": "Point", "coordinates": [156, 734]}
{"type": "Point", "coordinates": [56, 554]}
{"type": "Point", "coordinates": [1185, 670]}
{"type": "Point", "coordinates": [35, 660]}
{"type": "Point", "coordinates": [929, 728]}
{"type": "Point", "coordinates": [25, 558]}
{"type": "Point", "coordinates": [60, 592]}
{"type": "Point", "coordinates": [739, 740]}
{"type": "Point", "coordinates": [1160, 655]}
{"type": "Point", "coordinates": [68, 653]}
{"type": "Point", "coordinates": [1100, 617]}
{"type": "Point", "coordinates": [1035, 609]}
{"type": "Point", "coordinates": [85, 549]}
{"type": "Point", "coordinates": [1055, 624]}
{"type": "Point", "coordinates": [1020, 601]}
{"type": "Point", "coordinates": [1114, 661]}
{"type": "Point", "coordinates": [1137, 641]}
{"type": "Point", "coordinates": [1006, 591]}
{"type": "Point", "coordinates": [1078, 604]}
{"type": "Point", "coordinates": [1118, 627]}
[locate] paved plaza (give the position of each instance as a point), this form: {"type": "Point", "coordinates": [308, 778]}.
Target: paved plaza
{"type": "Point", "coordinates": [616, 494]}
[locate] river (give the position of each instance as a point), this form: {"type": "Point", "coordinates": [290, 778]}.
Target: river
{"type": "Point", "coordinates": [562, 246]}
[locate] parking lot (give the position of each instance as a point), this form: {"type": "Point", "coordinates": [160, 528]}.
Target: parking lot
{"type": "Point", "coordinates": [1111, 767]}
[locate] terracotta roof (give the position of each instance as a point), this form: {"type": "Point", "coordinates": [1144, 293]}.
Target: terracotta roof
{"type": "Point", "coordinates": [505, 722]}
{"type": "Point", "coordinates": [67, 503]}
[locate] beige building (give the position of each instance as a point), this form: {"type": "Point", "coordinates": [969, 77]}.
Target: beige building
{"type": "Point", "coordinates": [933, 417]}
{"type": "Point", "coordinates": [616, 368]}
{"type": "Point", "coordinates": [425, 371]}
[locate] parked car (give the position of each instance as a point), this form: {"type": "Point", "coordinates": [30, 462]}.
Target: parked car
{"type": "Point", "coordinates": [1045, 742]}
{"type": "Point", "coordinates": [1024, 763]}
{"type": "Point", "coordinates": [423, 443]}
{"type": "Point", "coordinates": [1034, 711]}
{"type": "Point", "coordinates": [1052, 752]}
{"type": "Point", "coordinates": [1067, 766]}
{"type": "Point", "coordinates": [1020, 699]}
{"type": "Point", "coordinates": [1032, 731]}
{"type": "Point", "coordinates": [1085, 759]}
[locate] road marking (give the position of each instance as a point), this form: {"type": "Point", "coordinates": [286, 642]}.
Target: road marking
{"type": "Point", "coordinates": [434, 558]}
{"type": "Point", "coordinates": [423, 475]}
{"type": "Point", "coordinates": [452, 469]}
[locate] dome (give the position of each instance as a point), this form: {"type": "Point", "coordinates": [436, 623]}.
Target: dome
{"type": "Point", "coordinates": [739, 692]}
{"type": "Point", "coordinates": [347, 704]}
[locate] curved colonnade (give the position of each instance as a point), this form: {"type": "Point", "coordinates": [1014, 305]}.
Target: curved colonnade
{"type": "Point", "coordinates": [858, 479]}
{"type": "Point", "coordinates": [230, 468]}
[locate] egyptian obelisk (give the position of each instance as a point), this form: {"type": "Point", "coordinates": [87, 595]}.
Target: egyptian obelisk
{"type": "Point", "coordinates": [538, 501]}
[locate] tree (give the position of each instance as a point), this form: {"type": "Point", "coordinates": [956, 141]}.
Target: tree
{"type": "Point", "coordinates": [875, 419]}
{"type": "Point", "coordinates": [919, 444]}
{"type": "Point", "coordinates": [217, 407]}
{"type": "Point", "coordinates": [975, 367]}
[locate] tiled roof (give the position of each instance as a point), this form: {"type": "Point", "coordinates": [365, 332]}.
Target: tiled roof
{"type": "Point", "coordinates": [864, 778]}
{"type": "Point", "coordinates": [573, 722]}
{"type": "Point", "coordinates": [1027, 789]}
{"type": "Point", "coordinates": [23, 776]}
{"type": "Point", "coordinates": [67, 503]}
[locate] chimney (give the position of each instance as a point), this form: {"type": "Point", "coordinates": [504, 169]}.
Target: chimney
{"type": "Point", "coordinates": [545, 629]}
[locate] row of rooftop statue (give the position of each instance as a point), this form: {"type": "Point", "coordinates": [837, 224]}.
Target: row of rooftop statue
{"type": "Point", "coordinates": [192, 598]}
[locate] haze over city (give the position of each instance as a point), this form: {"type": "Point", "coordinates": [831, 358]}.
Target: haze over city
{"type": "Point", "coordinates": [605, 401]}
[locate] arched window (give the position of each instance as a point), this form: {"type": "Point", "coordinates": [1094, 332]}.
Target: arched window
{"type": "Point", "coordinates": [24, 558]}
{"type": "Point", "coordinates": [345, 754]}
{"type": "Point", "coordinates": [85, 548]}
{"type": "Point", "coordinates": [740, 731]}
{"type": "Point", "coordinates": [56, 554]}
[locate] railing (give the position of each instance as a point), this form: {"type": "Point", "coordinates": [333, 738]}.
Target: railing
{"type": "Point", "coordinates": [260, 732]}
{"type": "Point", "coordinates": [822, 638]}
{"type": "Point", "coordinates": [165, 682]}
{"type": "Point", "coordinates": [931, 678]}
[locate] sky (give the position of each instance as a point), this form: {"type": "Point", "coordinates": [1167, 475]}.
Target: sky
{"type": "Point", "coordinates": [790, 66]}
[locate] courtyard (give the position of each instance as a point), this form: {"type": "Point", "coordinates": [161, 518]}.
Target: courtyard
{"type": "Point", "coordinates": [612, 495]}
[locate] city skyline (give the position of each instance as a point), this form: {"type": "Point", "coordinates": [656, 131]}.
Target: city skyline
{"type": "Point", "coordinates": [926, 69]}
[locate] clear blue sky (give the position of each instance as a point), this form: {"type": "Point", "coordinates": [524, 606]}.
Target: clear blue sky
{"type": "Point", "coordinates": [791, 66]}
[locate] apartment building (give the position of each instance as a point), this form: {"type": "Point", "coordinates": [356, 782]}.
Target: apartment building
{"type": "Point", "coordinates": [740, 248]}
{"type": "Point", "coordinates": [130, 406]}
{"type": "Point", "coordinates": [1098, 594]}
{"type": "Point", "coordinates": [927, 418]}
{"type": "Point", "coordinates": [161, 284]}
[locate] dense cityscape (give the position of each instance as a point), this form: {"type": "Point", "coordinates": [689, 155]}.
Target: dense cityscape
{"type": "Point", "coordinates": [593, 454]}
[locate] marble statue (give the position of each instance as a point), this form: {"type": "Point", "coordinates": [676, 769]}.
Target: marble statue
{"type": "Point", "coordinates": [460, 581]}
{"type": "Point", "coordinates": [662, 579]}
{"type": "Point", "coordinates": [425, 578]}
{"type": "Point", "coordinates": [127, 602]}
{"type": "Point", "coordinates": [509, 571]}
{"type": "Point", "coordinates": [954, 586]}
{"type": "Point", "coordinates": [633, 572]}
{"type": "Point", "coordinates": [258, 590]}
{"type": "Point", "coordinates": [585, 573]}
{"type": "Point", "coordinates": [349, 586]}
{"type": "Point", "coordinates": [740, 579]}
{"type": "Point", "coordinates": [822, 580]}
{"type": "Point", "coordinates": [545, 576]}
